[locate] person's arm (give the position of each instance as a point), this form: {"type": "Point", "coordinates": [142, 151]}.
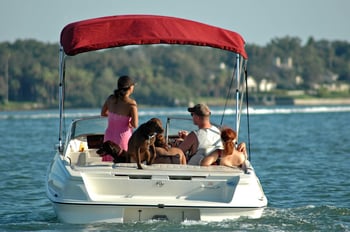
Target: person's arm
{"type": "Point", "coordinates": [182, 134]}
{"type": "Point", "coordinates": [104, 109]}
{"type": "Point", "coordinates": [190, 144]}
{"type": "Point", "coordinates": [210, 159]}
{"type": "Point", "coordinates": [134, 116]}
{"type": "Point", "coordinates": [242, 148]}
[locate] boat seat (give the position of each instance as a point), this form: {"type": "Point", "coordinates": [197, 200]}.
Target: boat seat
{"type": "Point", "coordinates": [84, 158]}
{"type": "Point", "coordinates": [83, 143]}
{"type": "Point", "coordinates": [76, 158]}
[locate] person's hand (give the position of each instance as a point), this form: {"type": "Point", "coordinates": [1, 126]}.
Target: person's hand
{"type": "Point", "coordinates": [182, 134]}
{"type": "Point", "coordinates": [242, 148]}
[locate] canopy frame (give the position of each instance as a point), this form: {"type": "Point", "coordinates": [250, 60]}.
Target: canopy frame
{"type": "Point", "coordinates": [117, 31]}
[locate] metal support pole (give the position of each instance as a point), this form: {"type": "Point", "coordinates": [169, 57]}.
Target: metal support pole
{"type": "Point", "coordinates": [61, 97]}
{"type": "Point", "coordinates": [238, 71]}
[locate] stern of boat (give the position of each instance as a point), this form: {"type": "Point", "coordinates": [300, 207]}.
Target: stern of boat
{"type": "Point", "coordinates": [106, 192]}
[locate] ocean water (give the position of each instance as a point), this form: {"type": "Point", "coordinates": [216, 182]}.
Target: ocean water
{"type": "Point", "coordinates": [301, 155]}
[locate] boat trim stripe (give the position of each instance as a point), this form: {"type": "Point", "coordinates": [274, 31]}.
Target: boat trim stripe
{"type": "Point", "coordinates": [162, 206]}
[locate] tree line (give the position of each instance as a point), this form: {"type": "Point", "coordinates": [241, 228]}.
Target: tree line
{"type": "Point", "coordinates": [165, 75]}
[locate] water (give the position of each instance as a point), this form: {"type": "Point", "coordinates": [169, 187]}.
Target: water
{"type": "Point", "coordinates": [301, 155]}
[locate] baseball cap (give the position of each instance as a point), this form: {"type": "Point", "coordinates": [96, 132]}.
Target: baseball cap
{"type": "Point", "coordinates": [200, 110]}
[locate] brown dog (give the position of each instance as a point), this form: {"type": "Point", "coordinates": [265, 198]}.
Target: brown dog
{"type": "Point", "coordinates": [113, 149]}
{"type": "Point", "coordinates": [168, 155]}
{"type": "Point", "coordinates": [141, 143]}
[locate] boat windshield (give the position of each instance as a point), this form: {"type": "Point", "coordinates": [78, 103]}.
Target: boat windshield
{"type": "Point", "coordinates": [98, 125]}
{"type": "Point", "coordinates": [89, 126]}
{"type": "Point", "coordinates": [176, 124]}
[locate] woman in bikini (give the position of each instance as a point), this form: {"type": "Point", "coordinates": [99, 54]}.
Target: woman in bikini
{"type": "Point", "coordinates": [230, 156]}
{"type": "Point", "coordinates": [122, 114]}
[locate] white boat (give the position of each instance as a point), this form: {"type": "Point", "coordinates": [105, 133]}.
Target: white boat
{"type": "Point", "coordinates": [83, 189]}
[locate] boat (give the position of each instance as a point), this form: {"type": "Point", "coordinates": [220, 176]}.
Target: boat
{"type": "Point", "coordinates": [83, 189]}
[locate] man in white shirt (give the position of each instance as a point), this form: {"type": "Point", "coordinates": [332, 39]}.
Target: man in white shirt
{"type": "Point", "coordinates": [199, 143]}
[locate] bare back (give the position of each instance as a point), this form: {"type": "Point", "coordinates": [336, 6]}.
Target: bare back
{"type": "Point", "coordinates": [120, 106]}
{"type": "Point", "coordinates": [125, 107]}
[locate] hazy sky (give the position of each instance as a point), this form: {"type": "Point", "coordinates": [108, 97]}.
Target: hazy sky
{"type": "Point", "coordinates": [258, 21]}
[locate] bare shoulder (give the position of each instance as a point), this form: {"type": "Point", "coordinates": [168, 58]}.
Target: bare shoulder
{"type": "Point", "coordinates": [192, 135]}
{"type": "Point", "coordinates": [131, 102]}
{"type": "Point", "coordinates": [110, 98]}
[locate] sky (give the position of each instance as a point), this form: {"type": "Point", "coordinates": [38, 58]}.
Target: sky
{"type": "Point", "coordinates": [258, 21]}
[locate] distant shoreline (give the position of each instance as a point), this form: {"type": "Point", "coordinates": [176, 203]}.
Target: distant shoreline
{"type": "Point", "coordinates": [322, 101]}
{"type": "Point", "coordinates": [296, 102]}
{"type": "Point", "coordinates": [286, 100]}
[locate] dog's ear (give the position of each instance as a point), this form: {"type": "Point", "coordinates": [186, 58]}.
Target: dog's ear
{"type": "Point", "coordinates": [102, 150]}
{"type": "Point", "coordinates": [144, 127]}
{"type": "Point", "coordinates": [161, 130]}
{"type": "Point", "coordinates": [157, 127]}
{"type": "Point", "coordinates": [148, 126]}
{"type": "Point", "coordinates": [115, 148]}
{"type": "Point", "coordinates": [151, 127]}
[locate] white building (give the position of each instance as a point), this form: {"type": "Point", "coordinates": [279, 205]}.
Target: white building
{"type": "Point", "coordinates": [263, 86]}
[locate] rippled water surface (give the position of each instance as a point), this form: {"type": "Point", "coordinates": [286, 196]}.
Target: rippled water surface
{"type": "Point", "coordinates": [301, 155]}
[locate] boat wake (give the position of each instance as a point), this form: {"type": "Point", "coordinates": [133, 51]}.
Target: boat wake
{"type": "Point", "coordinates": [217, 111]}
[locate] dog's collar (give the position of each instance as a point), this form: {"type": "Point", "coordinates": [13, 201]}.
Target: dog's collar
{"type": "Point", "coordinates": [152, 135]}
{"type": "Point", "coordinates": [149, 137]}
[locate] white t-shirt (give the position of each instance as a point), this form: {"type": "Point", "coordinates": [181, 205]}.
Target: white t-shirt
{"type": "Point", "coordinates": [208, 141]}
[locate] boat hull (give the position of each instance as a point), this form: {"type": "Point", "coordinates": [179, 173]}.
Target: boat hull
{"type": "Point", "coordinates": [84, 213]}
{"type": "Point", "coordinates": [117, 193]}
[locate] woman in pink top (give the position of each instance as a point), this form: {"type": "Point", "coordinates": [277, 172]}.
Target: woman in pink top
{"type": "Point", "coordinates": [122, 114]}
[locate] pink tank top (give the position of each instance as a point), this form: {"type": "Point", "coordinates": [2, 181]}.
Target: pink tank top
{"type": "Point", "coordinates": [118, 131]}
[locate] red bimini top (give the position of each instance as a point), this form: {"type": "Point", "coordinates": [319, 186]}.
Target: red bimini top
{"type": "Point", "coordinates": [123, 30]}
